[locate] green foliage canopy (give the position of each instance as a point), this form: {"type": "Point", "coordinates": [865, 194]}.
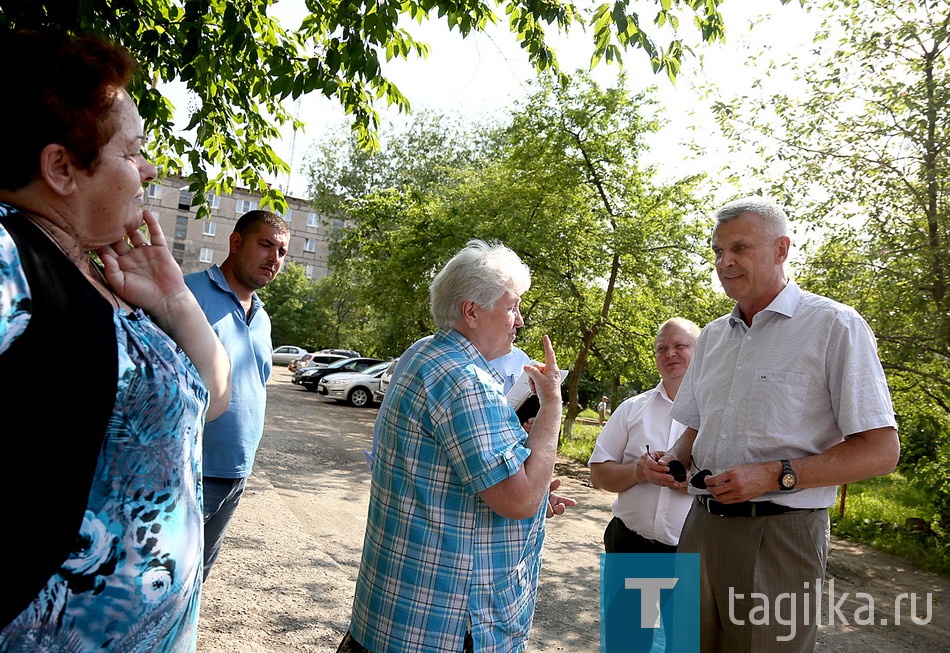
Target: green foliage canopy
{"type": "Point", "coordinates": [613, 253]}
{"type": "Point", "coordinates": [240, 63]}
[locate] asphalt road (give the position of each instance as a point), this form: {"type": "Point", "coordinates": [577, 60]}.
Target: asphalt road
{"type": "Point", "coordinates": [284, 581]}
{"type": "Point", "coordinates": [285, 578]}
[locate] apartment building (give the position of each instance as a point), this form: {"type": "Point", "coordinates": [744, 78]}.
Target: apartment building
{"type": "Point", "coordinates": [196, 244]}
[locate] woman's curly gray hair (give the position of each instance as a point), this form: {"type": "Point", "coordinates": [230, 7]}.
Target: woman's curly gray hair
{"type": "Point", "coordinates": [481, 272]}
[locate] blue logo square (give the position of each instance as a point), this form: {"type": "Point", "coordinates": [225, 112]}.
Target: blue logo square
{"type": "Point", "coordinates": [649, 602]}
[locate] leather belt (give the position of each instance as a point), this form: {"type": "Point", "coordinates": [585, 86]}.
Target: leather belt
{"type": "Point", "coordinates": [746, 508]}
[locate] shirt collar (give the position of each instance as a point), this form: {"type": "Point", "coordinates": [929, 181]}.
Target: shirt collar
{"type": "Point", "coordinates": [217, 278]}
{"type": "Point", "coordinates": [784, 303]}
{"type": "Point", "coordinates": [467, 346]}
{"type": "Point", "coordinates": [661, 390]}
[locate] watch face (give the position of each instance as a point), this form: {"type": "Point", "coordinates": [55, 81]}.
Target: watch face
{"type": "Point", "coordinates": [788, 480]}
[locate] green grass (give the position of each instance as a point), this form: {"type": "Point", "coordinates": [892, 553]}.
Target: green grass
{"type": "Point", "coordinates": [876, 509]}
{"type": "Point", "coordinates": [581, 443]}
{"type": "Point", "coordinates": [876, 512]}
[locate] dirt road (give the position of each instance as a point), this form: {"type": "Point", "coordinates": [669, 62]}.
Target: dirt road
{"type": "Point", "coordinates": [284, 582]}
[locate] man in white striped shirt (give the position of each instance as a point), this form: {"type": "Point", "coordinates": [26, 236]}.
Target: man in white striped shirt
{"type": "Point", "coordinates": [785, 400]}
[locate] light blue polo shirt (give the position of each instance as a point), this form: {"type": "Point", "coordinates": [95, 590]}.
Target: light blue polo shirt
{"type": "Point", "coordinates": [231, 440]}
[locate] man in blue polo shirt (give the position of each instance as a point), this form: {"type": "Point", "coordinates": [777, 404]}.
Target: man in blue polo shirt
{"type": "Point", "coordinates": [227, 295]}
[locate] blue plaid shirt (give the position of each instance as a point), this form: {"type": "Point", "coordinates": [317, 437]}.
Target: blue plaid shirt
{"type": "Point", "coordinates": [436, 558]}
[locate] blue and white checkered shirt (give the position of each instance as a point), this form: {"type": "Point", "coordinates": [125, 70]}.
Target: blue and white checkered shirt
{"type": "Point", "coordinates": [436, 558]}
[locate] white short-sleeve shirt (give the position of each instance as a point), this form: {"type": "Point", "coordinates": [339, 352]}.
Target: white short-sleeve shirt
{"type": "Point", "coordinates": [656, 513]}
{"type": "Point", "coordinates": [803, 377]}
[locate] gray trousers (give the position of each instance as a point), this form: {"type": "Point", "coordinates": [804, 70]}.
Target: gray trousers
{"type": "Point", "coordinates": [755, 570]}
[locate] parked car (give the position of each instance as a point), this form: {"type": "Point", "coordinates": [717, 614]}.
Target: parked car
{"type": "Point", "coordinates": [309, 377]}
{"type": "Point", "coordinates": [349, 353]}
{"type": "Point", "coordinates": [355, 388]}
{"type": "Point", "coordinates": [286, 353]}
{"type": "Point", "coordinates": [384, 380]}
{"type": "Point", "coordinates": [314, 359]}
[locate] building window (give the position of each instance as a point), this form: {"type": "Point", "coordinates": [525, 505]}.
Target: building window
{"type": "Point", "coordinates": [214, 201]}
{"type": "Point", "coordinates": [308, 272]}
{"type": "Point", "coordinates": [313, 220]}
{"type": "Point", "coordinates": [243, 206]}
{"type": "Point", "coordinates": [184, 199]}
{"type": "Point", "coordinates": [310, 245]}
{"type": "Point", "coordinates": [181, 227]}
{"type": "Point", "coordinates": [205, 255]}
{"type": "Point", "coordinates": [287, 215]}
{"type": "Point", "coordinates": [207, 228]}
{"type": "Point", "coordinates": [154, 191]}
{"type": "Point", "coordinates": [178, 252]}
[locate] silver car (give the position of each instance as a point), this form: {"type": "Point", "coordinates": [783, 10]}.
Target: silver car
{"type": "Point", "coordinates": [285, 353]}
{"type": "Point", "coordinates": [355, 388]}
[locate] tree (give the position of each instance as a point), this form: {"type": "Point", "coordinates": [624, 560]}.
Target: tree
{"type": "Point", "coordinates": [286, 299]}
{"type": "Point", "coordinates": [598, 231]}
{"type": "Point", "coordinates": [415, 156]}
{"type": "Point", "coordinates": [240, 63]}
{"type": "Point", "coordinates": [562, 185]}
{"type": "Point", "coordinates": [863, 157]}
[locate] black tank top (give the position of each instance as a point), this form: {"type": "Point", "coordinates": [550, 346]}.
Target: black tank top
{"type": "Point", "coordinates": [60, 380]}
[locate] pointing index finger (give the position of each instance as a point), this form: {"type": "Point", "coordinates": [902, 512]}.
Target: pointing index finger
{"type": "Point", "coordinates": [550, 360]}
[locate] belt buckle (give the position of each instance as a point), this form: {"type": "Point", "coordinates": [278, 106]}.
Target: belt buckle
{"type": "Point", "coordinates": [707, 503]}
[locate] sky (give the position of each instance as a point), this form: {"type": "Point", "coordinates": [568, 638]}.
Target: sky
{"type": "Point", "coordinates": [485, 73]}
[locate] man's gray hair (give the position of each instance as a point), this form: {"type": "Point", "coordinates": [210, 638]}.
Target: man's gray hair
{"type": "Point", "coordinates": [688, 326]}
{"type": "Point", "coordinates": [480, 272]}
{"type": "Point", "coordinates": [776, 220]}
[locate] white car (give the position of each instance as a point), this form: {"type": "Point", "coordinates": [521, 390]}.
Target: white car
{"type": "Point", "coordinates": [286, 353]}
{"type": "Point", "coordinates": [355, 388]}
{"type": "Point", "coordinates": [384, 380]}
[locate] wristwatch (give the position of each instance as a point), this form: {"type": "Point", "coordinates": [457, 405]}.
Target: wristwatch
{"type": "Point", "coordinates": [788, 479]}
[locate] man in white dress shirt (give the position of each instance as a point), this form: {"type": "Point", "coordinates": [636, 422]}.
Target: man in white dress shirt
{"type": "Point", "coordinates": [786, 399]}
{"type": "Point", "coordinates": [647, 518]}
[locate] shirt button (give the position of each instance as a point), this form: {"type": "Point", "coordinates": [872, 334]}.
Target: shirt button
{"type": "Point", "coordinates": [748, 337]}
{"type": "Point", "coordinates": [738, 368]}
{"type": "Point", "coordinates": [732, 401]}
{"type": "Point", "coordinates": [722, 437]}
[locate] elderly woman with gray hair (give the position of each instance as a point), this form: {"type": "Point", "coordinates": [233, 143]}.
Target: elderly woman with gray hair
{"type": "Point", "coordinates": [460, 491]}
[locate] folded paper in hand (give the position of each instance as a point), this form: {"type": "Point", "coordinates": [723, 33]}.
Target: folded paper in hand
{"type": "Point", "coordinates": [525, 402]}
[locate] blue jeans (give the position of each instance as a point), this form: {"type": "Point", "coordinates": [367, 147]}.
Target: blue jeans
{"type": "Point", "coordinates": [221, 499]}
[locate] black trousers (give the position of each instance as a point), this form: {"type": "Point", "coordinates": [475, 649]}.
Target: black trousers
{"type": "Point", "coordinates": [620, 539]}
{"type": "Point", "coordinates": [350, 645]}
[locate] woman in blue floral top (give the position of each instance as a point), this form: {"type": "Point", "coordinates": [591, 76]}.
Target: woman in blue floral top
{"type": "Point", "coordinates": [102, 523]}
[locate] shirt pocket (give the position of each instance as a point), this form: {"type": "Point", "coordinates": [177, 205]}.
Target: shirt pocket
{"type": "Point", "coordinates": [777, 402]}
{"type": "Point", "coordinates": [512, 601]}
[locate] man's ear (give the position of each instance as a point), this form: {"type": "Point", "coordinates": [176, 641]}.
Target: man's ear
{"type": "Point", "coordinates": [782, 245]}
{"type": "Point", "coordinates": [57, 169]}
{"type": "Point", "coordinates": [469, 314]}
{"type": "Point", "coordinates": [234, 241]}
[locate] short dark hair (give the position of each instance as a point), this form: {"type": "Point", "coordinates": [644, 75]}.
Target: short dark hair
{"type": "Point", "coordinates": [61, 88]}
{"type": "Point", "coordinates": [251, 219]}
